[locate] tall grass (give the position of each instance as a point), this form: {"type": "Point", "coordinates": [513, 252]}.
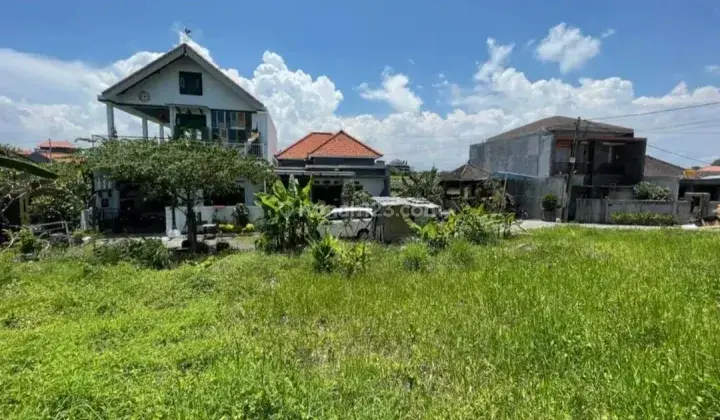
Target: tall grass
{"type": "Point", "coordinates": [565, 323]}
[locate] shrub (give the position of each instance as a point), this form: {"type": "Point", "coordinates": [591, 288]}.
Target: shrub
{"type": "Point", "coordinates": [226, 227]}
{"type": "Point", "coordinates": [222, 246]}
{"type": "Point", "coordinates": [241, 214]}
{"type": "Point", "coordinates": [416, 256]}
{"type": "Point", "coordinates": [435, 235]}
{"type": "Point", "coordinates": [249, 228]}
{"type": "Point", "coordinates": [27, 241]}
{"type": "Point", "coordinates": [355, 259]}
{"type": "Point", "coordinates": [549, 202]}
{"type": "Point", "coordinates": [148, 253]}
{"type": "Point", "coordinates": [649, 191]}
{"type": "Point", "coordinates": [643, 219]}
{"type": "Point", "coordinates": [325, 253]}
{"type": "Point", "coordinates": [290, 218]}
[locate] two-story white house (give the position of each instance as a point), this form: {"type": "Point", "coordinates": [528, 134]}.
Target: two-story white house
{"type": "Point", "coordinates": [182, 92]}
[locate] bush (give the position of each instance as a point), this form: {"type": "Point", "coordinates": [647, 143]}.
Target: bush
{"type": "Point", "coordinates": [222, 246]}
{"type": "Point", "coordinates": [325, 253]}
{"type": "Point", "coordinates": [355, 259]}
{"type": "Point", "coordinates": [241, 214]}
{"type": "Point", "coordinates": [549, 202]}
{"type": "Point", "coordinates": [290, 218]}
{"type": "Point", "coordinates": [27, 241]}
{"type": "Point", "coordinates": [249, 228]}
{"type": "Point", "coordinates": [416, 256]}
{"type": "Point", "coordinates": [226, 228]}
{"type": "Point", "coordinates": [643, 219]}
{"type": "Point", "coordinates": [649, 191]}
{"type": "Point", "coordinates": [147, 253]}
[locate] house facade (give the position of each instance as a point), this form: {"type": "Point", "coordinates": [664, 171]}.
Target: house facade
{"type": "Point", "coordinates": [607, 160]}
{"type": "Point", "coordinates": [182, 93]}
{"type": "Point", "coordinates": [332, 159]}
{"type": "Point", "coordinates": [53, 151]}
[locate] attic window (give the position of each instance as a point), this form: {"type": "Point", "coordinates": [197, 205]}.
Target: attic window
{"type": "Point", "coordinates": [190, 83]}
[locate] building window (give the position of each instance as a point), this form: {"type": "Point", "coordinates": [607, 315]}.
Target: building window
{"type": "Point", "coordinates": [229, 125]}
{"type": "Point", "coordinates": [190, 83]}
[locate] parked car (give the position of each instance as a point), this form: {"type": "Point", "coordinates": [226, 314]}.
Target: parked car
{"type": "Point", "coordinates": [349, 222]}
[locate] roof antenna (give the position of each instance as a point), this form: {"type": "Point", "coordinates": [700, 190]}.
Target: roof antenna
{"type": "Point", "coordinates": [185, 36]}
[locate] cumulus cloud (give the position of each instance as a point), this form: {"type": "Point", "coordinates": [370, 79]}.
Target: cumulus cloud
{"type": "Point", "coordinates": [394, 91]}
{"type": "Point", "coordinates": [567, 46]}
{"type": "Point", "coordinates": [608, 33]}
{"type": "Point", "coordinates": [712, 68]}
{"type": "Point", "coordinates": [43, 97]}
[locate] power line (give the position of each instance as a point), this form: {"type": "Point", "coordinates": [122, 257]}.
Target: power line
{"type": "Point", "coordinates": [639, 114]}
{"type": "Point", "coordinates": [677, 154]}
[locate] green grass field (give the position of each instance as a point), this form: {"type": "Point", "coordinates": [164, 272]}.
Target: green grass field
{"type": "Point", "coordinates": [564, 323]}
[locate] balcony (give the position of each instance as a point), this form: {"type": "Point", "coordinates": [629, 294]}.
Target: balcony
{"type": "Point", "coordinates": [244, 148]}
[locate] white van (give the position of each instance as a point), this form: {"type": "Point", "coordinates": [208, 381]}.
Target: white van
{"type": "Point", "coordinates": [349, 222]}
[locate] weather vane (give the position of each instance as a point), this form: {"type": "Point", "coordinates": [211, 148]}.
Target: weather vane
{"type": "Point", "coordinates": [187, 32]}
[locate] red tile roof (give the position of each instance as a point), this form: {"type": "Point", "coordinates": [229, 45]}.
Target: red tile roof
{"type": "Point", "coordinates": [340, 144]}
{"type": "Point", "coordinates": [708, 170]}
{"type": "Point", "coordinates": [59, 144]}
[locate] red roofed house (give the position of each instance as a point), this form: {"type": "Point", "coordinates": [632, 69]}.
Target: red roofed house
{"type": "Point", "coordinates": [53, 150]}
{"type": "Point", "coordinates": [333, 159]}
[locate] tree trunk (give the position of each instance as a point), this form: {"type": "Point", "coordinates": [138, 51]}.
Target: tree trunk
{"type": "Point", "coordinates": [192, 224]}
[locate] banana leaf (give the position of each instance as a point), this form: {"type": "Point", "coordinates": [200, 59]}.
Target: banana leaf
{"type": "Point", "coordinates": [26, 167]}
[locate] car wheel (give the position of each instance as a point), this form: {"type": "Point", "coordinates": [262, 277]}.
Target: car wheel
{"type": "Point", "coordinates": [363, 235]}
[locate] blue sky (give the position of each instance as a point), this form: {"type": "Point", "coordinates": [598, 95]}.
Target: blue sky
{"type": "Point", "coordinates": [654, 45]}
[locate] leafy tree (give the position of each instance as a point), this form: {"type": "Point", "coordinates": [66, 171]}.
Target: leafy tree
{"type": "Point", "coordinates": [290, 218]}
{"type": "Point", "coordinates": [64, 197]}
{"type": "Point", "coordinates": [423, 185]}
{"type": "Point", "coordinates": [716, 162]}
{"type": "Point", "coordinates": [492, 195]}
{"type": "Point", "coordinates": [180, 169]}
{"type": "Point", "coordinates": [353, 194]}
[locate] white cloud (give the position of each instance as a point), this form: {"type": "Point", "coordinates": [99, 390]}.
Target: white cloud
{"type": "Point", "coordinates": [411, 61]}
{"type": "Point", "coordinates": [567, 46]}
{"type": "Point", "coordinates": [43, 97]}
{"type": "Point", "coordinates": [713, 68]}
{"type": "Point", "coordinates": [530, 43]}
{"type": "Point", "coordinates": [608, 32]}
{"type": "Point", "coordinates": [394, 91]}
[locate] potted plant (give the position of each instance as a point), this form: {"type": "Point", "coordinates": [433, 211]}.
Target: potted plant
{"type": "Point", "coordinates": [549, 206]}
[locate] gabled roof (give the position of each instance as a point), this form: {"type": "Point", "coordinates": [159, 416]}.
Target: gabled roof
{"type": "Point", "coordinates": [60, 144]}
{"type": "Point", "coordinates": [708, 170]}
{"type": "Point", "coordinates": [182, 50]}
{"type": "Point", "coordinates": [559, 123]}
{"type": "Point", "coordinates": [320, 144]}
{"type": "Point", "coordinates": [467, 172]}
{"type": "Point", "coordinates": [657, 167]}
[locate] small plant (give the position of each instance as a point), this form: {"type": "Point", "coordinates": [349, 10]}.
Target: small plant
{"type": "Point", "coordinates": [643, 219]}
{"type": "Point", "coordinates": [249, 228]}
{"type": "Point", "coordinates": [26, 241]}
{"type": "Point", "coordinates": [355, 259]}
{"type": "Point", "coordinates": [226, 228]}
{"type": "Point", "coordinates": [326, 253]}
{"type": "Point", "coordinates": [241, 214]}
{"type": "Point", "coordinates": [549, 202]}
{"type": "Point", "coordinates": [222, 246]}
{"type": "Point", "coordinates": [77, 237]}
{"type": "Point", "coordinates": [416, 256]}
{"type": "Point", "coordinates": [649, 191]}
{"type": "Point", "coordinates": [148, 253]}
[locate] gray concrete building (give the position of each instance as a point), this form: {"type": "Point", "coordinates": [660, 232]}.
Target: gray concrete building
{"type": "Point", "coordinates": [608, 160]}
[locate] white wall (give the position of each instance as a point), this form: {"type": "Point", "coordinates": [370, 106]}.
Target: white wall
{"type": "Point", "coordinates": [224, 214]}
{"type": "Point", "coordinates": [374, 186]}
{"type": "Point", "coordinates": [164, 88]}
{"type": "Point", "coordinates": [263, 122]}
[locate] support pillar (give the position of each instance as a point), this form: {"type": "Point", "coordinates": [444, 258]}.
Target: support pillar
{"type": "Point", "coordinates": [208, 124]}
{"type": "Point", "coordinates": [110, 111]}
{"type": "Point", "coordinates": [161, 133]}
{"type": "Point", "coordinates": [145, 128]}
{"type": "Point", "coordinates": [173, 116]}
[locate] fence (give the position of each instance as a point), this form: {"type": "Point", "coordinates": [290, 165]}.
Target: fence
{"type": "Point", "coordinates": [600, 210]}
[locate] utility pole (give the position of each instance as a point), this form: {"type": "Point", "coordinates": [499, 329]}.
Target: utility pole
{"type": "Point", "coordinates": [568, 186]}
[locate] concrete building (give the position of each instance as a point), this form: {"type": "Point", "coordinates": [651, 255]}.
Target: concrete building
{"type": "Point", "coordinates": [608, 160]}
{"type": "Point", "coordinates": [333, 159]}
{"type": "Point", "coordinates": [53, 151]}
{"type": "Point", "coordinates": [181, 93]}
